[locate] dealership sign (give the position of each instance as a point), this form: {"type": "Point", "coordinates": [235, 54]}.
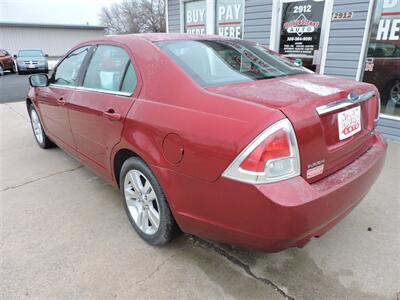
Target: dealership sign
{"type": "Point", "coordinates": [195, 17]}
{"type": "Point", "coordinates": [229, 18]}
{"type": "Point", "coordinates": [301, 27]}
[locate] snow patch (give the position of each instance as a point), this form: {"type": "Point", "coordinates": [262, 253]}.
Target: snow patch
{"type": "Point", "coordinates": [320, 90]}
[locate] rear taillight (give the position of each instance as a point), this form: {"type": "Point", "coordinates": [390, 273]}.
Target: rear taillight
{"type": "Point", "coordinates": [271, 157]}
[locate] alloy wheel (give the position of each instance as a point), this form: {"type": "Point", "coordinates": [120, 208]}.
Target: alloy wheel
{"type": "Point", "coordinates": [142, 202]}
{"type": "Point", "coordinates": [395, 92]}
{"type": "Point", "coordinates": [37, 127]}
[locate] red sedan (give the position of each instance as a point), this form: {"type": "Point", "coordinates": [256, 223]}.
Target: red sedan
{"type": "Point", "coordinates": [217, 137]}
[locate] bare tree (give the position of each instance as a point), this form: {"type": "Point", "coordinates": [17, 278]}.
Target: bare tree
{"type": "Point", "coordinates": [133, 16]}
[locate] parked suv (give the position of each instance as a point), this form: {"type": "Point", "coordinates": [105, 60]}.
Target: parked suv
{"type": "Point", "coordinates": [31, 60]}
{"type": "Point", "coordinates": [6, 62]}
{"type": "Point", "coordinates": [384, 56]}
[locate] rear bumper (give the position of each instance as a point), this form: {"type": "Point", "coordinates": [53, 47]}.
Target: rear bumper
{"type": "Point", "coordinates": [272, 217]}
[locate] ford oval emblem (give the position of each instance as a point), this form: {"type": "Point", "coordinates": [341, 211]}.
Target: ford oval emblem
{"type": "Point", "coordinates": [353, 96]}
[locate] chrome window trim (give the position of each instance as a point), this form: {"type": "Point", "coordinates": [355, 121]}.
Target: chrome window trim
{"type": "Point", "coordinates": [118, 93]}
{"type": "Point", "coordinates": [324, 109]}
{"type": "Point", "coordinates": [81, 88]}
{"type": "Point", "coordinates": [73, 87]}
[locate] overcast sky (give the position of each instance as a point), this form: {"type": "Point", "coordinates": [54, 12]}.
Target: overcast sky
{"type": "Point", "coordinates": [53, 11]}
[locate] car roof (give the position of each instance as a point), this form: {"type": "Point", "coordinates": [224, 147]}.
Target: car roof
{"type": "Point", "coordinates": [29, 49]}
{"type": "Point", "coordinates": [157, 37]}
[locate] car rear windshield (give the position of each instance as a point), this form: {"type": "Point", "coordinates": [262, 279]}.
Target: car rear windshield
{"type": "Point", "coordinates": [30, 53]}
{"type": "Point", "coordinates": [216, 62]}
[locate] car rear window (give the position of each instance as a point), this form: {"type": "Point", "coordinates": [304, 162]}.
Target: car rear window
{"type": "Point", "coordinates": [30, 53]}
{"type": "Point", "coordinates": [216, 62]}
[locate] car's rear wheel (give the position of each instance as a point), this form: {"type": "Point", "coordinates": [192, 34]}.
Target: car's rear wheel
{"type": "Point", "coordinates": [394, 92]}
{"type": "Point", "coordinates": [40, 136]}
{"type": "Point", "coordinates": [145, 203]}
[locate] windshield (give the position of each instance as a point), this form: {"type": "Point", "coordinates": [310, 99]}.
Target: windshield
{"type": "Point", "coordinates": [30, 53]}
{"type": "Point", "coordinates": [216, 62]}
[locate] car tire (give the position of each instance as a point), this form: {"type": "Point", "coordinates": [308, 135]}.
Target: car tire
{"type": "Point", "coordinates": [144, 200]}
{"type": "Point", "coordinates": [37, 128]}
{"type": "Point", "coordinates": [392, 92]}
{"type": "Point", "coordinates": [13, 70]}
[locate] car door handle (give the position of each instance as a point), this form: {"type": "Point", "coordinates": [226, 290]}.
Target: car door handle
{"type": "Point", "coordinates": [61, 101]}
{"type": "Point", "coordinates": [112, 115]}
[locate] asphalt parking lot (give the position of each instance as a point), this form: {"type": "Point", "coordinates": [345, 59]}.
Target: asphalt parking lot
{"type": "Point", "coordinates": [64, 235]}
{"type": "Point", "coordinates": [13, 87]}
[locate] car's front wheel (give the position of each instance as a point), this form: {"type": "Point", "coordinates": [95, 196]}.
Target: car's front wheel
{"type": "Point", "coordinates": [13, 69]}
{"type": "Point", "coordinates": [145, 203]}
{"type": "Point", "coordinates": [394, 92]}
{"type": "Point", "coordinates": [40, 136]}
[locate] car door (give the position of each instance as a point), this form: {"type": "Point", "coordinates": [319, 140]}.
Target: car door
{"type": "Point", "coordinates": [100, 105]}
{"type": "Point", "coordinates": [53, 100]}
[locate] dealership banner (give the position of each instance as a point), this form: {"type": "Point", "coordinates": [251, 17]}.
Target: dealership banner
{"type": "Point", "coordinates": [195, 17]}
{"type": "Point", "coordinates": [229, 18]}
{"type": "Point", "coordinates": [301, 27]}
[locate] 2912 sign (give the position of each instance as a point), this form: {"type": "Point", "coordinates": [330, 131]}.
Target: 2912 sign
{"type": "Point", "coordinates": [301, 28]}
{"type": "Point", "coordinates": [298, 9]}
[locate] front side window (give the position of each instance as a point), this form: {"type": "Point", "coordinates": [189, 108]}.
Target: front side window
{"type": "Point", "coordinates": [68, 70]}
{"type": "Point", "coordinates": [216, 62]}
{"type": "Point", "coordinates": [107, 69]}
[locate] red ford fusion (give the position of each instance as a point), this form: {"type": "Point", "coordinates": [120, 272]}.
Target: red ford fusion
{"type": "Point", "coordinates": [220, 138]}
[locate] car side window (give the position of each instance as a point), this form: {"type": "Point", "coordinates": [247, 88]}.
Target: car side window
{"type": "Point", "coordinates": [68, 70]}
{"type": "Point", "coordinates": [371, 50]}
{"type": "Point", "coordinates": [107, 68]}
{"type": "Point", "coordinates": [130, 80]}
{"type": "Point", "coordinates": [385, 50]}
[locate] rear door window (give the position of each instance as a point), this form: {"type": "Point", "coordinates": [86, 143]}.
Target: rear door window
{"type": "Point", "coordinates": [130, 81]}
{"type": "Point", "coordinates": [110, 69]}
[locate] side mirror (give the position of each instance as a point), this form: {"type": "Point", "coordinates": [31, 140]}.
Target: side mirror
{"type": "Point", "coordinates": [298, 62]}
{"type": "Point", "coordinates": [15, 55]}
{"type": "Point", "coordinates": [38, 80]}
{"type": "Point", "coordinates": [46, 55]}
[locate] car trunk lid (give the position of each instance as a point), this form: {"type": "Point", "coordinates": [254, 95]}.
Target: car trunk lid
{"type": "Point", "coordinates": [314, 104]}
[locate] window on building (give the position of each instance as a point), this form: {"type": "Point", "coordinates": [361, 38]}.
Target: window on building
{"type": "Point", "coordinates": [229, 18]}
{"type": "Point", "coordinates": [382, 66]}
{"type": "Point", "coordinates": [195, 18]}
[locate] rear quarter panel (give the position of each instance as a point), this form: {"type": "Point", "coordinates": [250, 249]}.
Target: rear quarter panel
{"type": "Point", "coordinates": [212, 129]}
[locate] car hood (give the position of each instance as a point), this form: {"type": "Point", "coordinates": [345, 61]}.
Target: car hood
{"type": "Point", "coordinates": [284, 91]}
{"type": "Point", "coordinates": [31, 58]}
